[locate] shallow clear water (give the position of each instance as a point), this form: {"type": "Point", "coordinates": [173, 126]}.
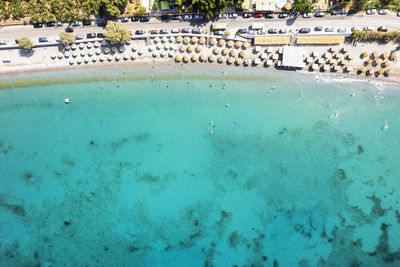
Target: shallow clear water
{"type": "Point", "coordinates": [187, 171]}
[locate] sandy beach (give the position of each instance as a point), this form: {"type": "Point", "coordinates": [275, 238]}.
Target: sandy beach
{"type": "Point", "coordinates": [164, 51]}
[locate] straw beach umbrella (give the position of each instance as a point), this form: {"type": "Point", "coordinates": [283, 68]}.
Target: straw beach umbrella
{"type": "Point", "coordinates": [178, 58]}
{"type": "Point", "coordinates": [369, 61]}
{"type": "Point", "coordinates": [106, 50]}
{"type": "Point", "coordinates": [371, 71]}
{"type": "Point", "coordinates": [109, 57]}
{"type": "Point", "coordinates": [229, 43]}
{"type": "Point", "coordinates": [211, 58]}
{"type": "Point", "coordinates": [203, 57]}
{"type": "Point", "coordinates": [198, 49]}
{"type": "Point", "coordinates": [241, 54]}
{"type": "Point", "coordinates": [378, 61]}
{"type": "Point", "coordinates": [393, 56]}
{"type": "Point", "coordinates": [375, 54]}
{"type": "Point", "coordinates": [186, 40]}
{"type": "Point", "coordinates": [94, 59]}
{"type": "Point", "coordinates": [194, 57]}
{"type": "Point", "coordinates": [225, 51]}
{"type": "Point", "coordinates": [364, 54]}
{"type": "Point", "coordinates": [239, 61]}
{"type": "Point", "coordinates": [216, 50]}
{"type": "Point", "coordinates": [233, 53]}
{"type": "Point", "coordinates": [230, 60]}
{"type": "Point", "coordinates": [96, 44]}
{"type": "Point", "coordinates": [190, 48]}
{"type": "Point", "coordinates": [89, 45]}
{"type": "Point", "coordinates": [194, 40]}
{"type": "Point", "coordinates": [246, 45]}
{"type": "Point", "coordinates": [363, 70]}
{"type": "Point", "coordinates": [73, 46]}
{"type": "Point", "coordinates": [182, 48]}
{"type": "Point", "coordinates": [221, 42]}
{"type": "Point", "coordinates": [381, 71]}
{"type": "Point", "coordinates": [238, 44]}
{"type": "Point", "coordinates": [388, 72]}
{"type": "Point", "coordinates": [385, 55]}
{"type": "Point", "coordinates": [60, 55]}
{"type": "Point", "coordinates": [186, 58]}
{"type": "Point", "coordinates": [202, 40]}
{"type": "Point", "coordinates": [247, 62]}
{"type": "Point", "coordinates": [386, 64]}
{"type": "Point", "coordinates": [213, 41]}
{"type": "Point", "coordinates": [81, 46]}
{"type": "Point", "coordinates": [171, 39]}
{"type": "Point", "coordinates": [178, 39]}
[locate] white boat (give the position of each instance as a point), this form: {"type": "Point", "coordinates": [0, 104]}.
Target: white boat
{"type": "Point", "coordinates": [67, 100]}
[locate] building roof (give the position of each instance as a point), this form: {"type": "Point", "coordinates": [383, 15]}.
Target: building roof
{"type": "Point", "coordinates": [292, 56]}
{"type": "Point", "coordinates": [272, 40]}
{"type": "Point", "coordinates": [320, 39]}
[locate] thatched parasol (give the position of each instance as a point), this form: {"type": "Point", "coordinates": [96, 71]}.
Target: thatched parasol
{"type": "Point", "coordinates": [190, 48]}
{"type": "Point", "coordinates": [230, 60]}
{"type": "Point", "coordinates": [182, 48]}
{"type": "Point", "coordinates": [380, 71]}
{"type": "Point", "coordinates": [378, 61]}
{"type": "Point", "coordinates": [368, 62]}
{"type": "Point", "coordinates": [178, 58]}
{"type": "Point", "coordinates": [89, 45]}
{"type": "Point", "coordinates": [198, 49]}
{"type": "Point", "coordinates": [363, 69]}
{"type": "Point", "coordinates": [194, 57]}
{"type": "Point", "coordinates": [202, 40]}
{"type": "Point", "coordinates": [94, 59]}
{"type": "Point", "coordinates": [186, 58]}
{"type": "Point", "coordinates": [239, 61]}
{"type": "Point", "coordinates": [371, 71]}
{"type": "Point", "coordinates": [179, 39]}
{"type": "Point", "coordinates": [109, 57]}
{"type": "Point", "coordinates": [81, 45]}
{"type": "Point", "coordinates": [213, 41]}
{"type": "Point", "coordinates": [375, 54]}
{"type": "Point", "coordinates": [247, 62]}
{"type": "Point", "coordinates": [233, 53]}
{"type": "Point", "coordinates": [246, 45]}
{"type": "Point", "coordinates": [393, 56]}
{"type": "Point", "coordinates": [385, 55]}
{"type": "Point", "coordinates": [238, 44]}
{"type": "Point", "coordinates": [186, 40]}
{"type": "Point", "coordinates": [202, 57]}
{"type": "Point", "coordinates": [388, 72]}
{"type": "Point", "coordinates": [364, 54]}
{"type": "Point", "coordinates": [230, 43]}
{"type": "Point", "coordinates": [386, 64]}
{"type": "Point", "coordinates": [171, 39]}
{"type": "Point", "coordinates": [221, 42]}
{"type": "Point", "coordinates": [194, 39]}
{"type": "Point", "coordinates": [96, 44]}
{"type": "Point", "coordinates": [211, 58]}
{"type": "Point", "coordinates": [241, 54]}
{"type": "Point", "coordinates": [216, 50]}
{"type": "Point", "coordinates": [73, 46]}
{"type": "Point", "coordinates": [225, 51]}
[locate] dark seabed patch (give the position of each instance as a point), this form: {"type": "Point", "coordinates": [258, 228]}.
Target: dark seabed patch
{"type": "Point", "coordinates": [16, 209]}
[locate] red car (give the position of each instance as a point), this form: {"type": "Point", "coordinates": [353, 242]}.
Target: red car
{"type": "Point", "coordinates": [257, 15]}
{"type": "Point", "coordinates": [154, 32]}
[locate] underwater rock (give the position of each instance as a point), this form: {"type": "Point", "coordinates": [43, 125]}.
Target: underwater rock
{"type": "Point", "coordinates": [284, 130]}
{"type": "Point", "coordinates": [27, 175]}
{"type": "Point", "coordinates": [376, 210]}
{"type": "Point", "coordinates": [133, 248]}
{"type": "Point", "coordinates": [92, 142]}
{"type": "Point", "coordinates": [67, 221]}
{"type": "Point", "coordinates": [13, 208]}
{"type": "Point", "coordinates": [360, 149]}
{"type": "Point", "coordinates": [149, 178]}
{"type": "Point", "coordinates": [275, 264]}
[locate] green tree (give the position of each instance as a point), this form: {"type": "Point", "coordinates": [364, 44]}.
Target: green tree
{"type": "Point", "coordinates": [156, 6]}
{"type": "Point", "coordinates": [25, 43]}
{"type": "Point", "coordinates": [113, 8]}
{"type": "Point", "coordinates": [206, 7]}
{"type": "Point", "coordinates": [304, 6]}
{"type": "Point", "coordinates": [66, 38]}
{"type": "Point", "coordinates": [116, 32]}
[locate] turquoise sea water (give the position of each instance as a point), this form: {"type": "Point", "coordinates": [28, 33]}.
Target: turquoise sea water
{"type": "Point", "coordinates": [200, 169]}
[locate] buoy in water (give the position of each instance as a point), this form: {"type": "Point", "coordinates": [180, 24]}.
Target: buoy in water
{"type": "Point", "coordinates": [67, 100]}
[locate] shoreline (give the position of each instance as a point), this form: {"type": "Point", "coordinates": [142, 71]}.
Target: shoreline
{"type": "Point", "coordinates": [44, 75]}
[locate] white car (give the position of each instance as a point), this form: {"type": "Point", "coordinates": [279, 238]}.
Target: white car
{"type": "Point", "coordinates": [220, 32]}
{"type": "Point", "coordinates": [261, 32]}
{"type": "Point", "coordinates": [355, 29]}
{"type": "Point", "coordinates": [398, 14]}
{"type": "Point", "coordinates": [3, 42]}
{"type": "Point", "coordinates": [223, 16]}
{"type": "Point", "coordinates": [187, 17]}
{"type": "Point", "coordinates": [233, 16]}
{"type": "Point", "coordinates": [369, 28]}
{"type": "Point", "coordinates": [371, 11]}
{"type": "Point", "coordinates": [198, 16]}
{"type": "Point", "coordinates": [175, 30]}
{"type": "Point", "coordinates": [341, 30]}
{"type": "Point", "coordinates": [307, 15]}
{"type": "Point", "coordinates": [252, 32]}
{"type": "Point", "coordinates": [383, 12]}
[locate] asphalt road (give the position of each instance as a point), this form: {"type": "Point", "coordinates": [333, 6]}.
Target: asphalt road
{"type": "Point", "coordinates": [360, 20]}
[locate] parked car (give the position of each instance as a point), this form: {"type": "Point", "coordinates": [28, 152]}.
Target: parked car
{"type": "Point", "coordinates": [269, 15]}
{"type": "Point", "coordinates": [220, 32]}
{"type": "Point", "coordinates": [154, 32]}
{"type": "Point", "coordinates": [383, 12]}
{"type": "Point", "coordinates": [383, 28]}
{"type": "Point", "coordinates": [69, 29]}
{"type": "Point", "coordinates": [281, 31]}
{"type": "Point", "coordinates": [369, 28]}
{"type": "Point", "coordinates": [175, 30]}
{"type": "Point", "coordinates": [187, 17]}
{"type": "Point", "coordinates": [223, 16]}
{"type": "Point", "coordinates": [90, 35]}
{"type": "Point", "coordinates": [43, 39]}
{"type": "Point", "coordinates": [124, 19]}
{"type": "Point", "coordinates": [257, 15]}
{"type": "Point", "coordinates": [246, 15]}
{"type": "Point", "coordinates": [307, 15]}
{"type": "Point", "coordinates": [165, 17]}
{"type": "Point", "coordinates": [50, 24]}
{"type": "Point", "coordinates": [75, 24]}
{"type": "Point", "coordinates": [341, 30]}
{"type": "Point", "coordinates": [102, 23]}
{"type": "Point", "coordinates": [252, 32]}
{"type": "Point", "coordinates": [355, 29]}
{"type": "Point", "coordinates": [304, 30]}
{"type": "Point", "coordinates": [233, 16]}
{"type": "Point", "coordinates": [334, 12]}
{"type": "Point", "coordinates": [398, 14]}
{"type": "Point", "coordinates": [329, 29]}
{"type": "Point", "coordinates": [343, 12]}
{"type": "Point", "coordinates": [37, 25]}
{"type": "Point", "coordinates": [272, 31]}
{"type": "Point", "coordinates": [175, 17]}
{"type": "Point", "coordinates": [133, 19]}
{"type": "Point", "coordinates": [318, 29]}
{"type": "Point", "coordinates": [196, 31]}
{"type": "Point", "coordinates": [283, 15]}
{"type": "Point", "coordinates": [185, 30]}
{"type": "Point", "coordinates": [59, 24]}
{"type": "Point", "coordinates": [198, 17]}
{"type": "Point", "coordinates": [319, 14]}
{"type": "Point", "coordinates": [79, 37]}
{"type": "Point", "coordinates": [100, 35]}
{"type": "Point", "coordinates": [3, 42]}
{"type": "Point", "coordinates": [139, 32]}
{"type": "Point", "coordinates": [163, 31]}
{"type": "Point", "coordinates": [244, 30]}
{"type": "Point", "coordinates": [262, 32]}
{"type": "Point", "coordinates": [144, 19]}
{"type": "Point", "coordinates": [87, 22]}
{"type": "Point", "coordinates": [371, 11]}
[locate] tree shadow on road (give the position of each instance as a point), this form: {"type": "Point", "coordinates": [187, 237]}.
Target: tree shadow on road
{"type": "Point", "coordinates": [26, 52]}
